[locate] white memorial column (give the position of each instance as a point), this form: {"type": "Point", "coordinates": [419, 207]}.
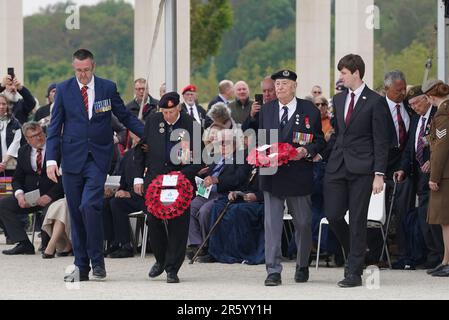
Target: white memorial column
{"type": "Point", "coordinates": [11, 33]}
{"type": "Point", "coordinates": [313, 45]}
{"type": "Point", "coordinates": [145, 15]}
{"type": "Point", "coordinates": [354, 33]}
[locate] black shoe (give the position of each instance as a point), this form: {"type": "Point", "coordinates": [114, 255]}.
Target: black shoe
{"type": "Point", "coordinates": [273, 279]}
{"type": "Point", "coordinates": [21, 248]}
{"type": "Point", "coordinates": [111, 249]}
{"type": "Point", "coordinates": [99, 273]}
{"type": "Point", "coordinates": [351, 280]}
{"type": "Point", "coordinates": [172, 277]}
{"type": "Point", "coordinates": [430, 265]}
{"type": "Point", "coordinates": [122, 253]}
{"type": "Point", "coordinates": [302, 274]}
{"type": "Point", "coordinates": [47, 256]}
{"type": "Point", "coordinates": [75, 276]}
{"type": "Point", "coordinates": [156, 270]}
{"type": "Point", "coordinates": [436, 269]}
{"type": "Point", "coordinates": [206, 259]}
{"type": "Point", "coordinates": [443, 272]}
{"type": "Point", "coordinates": [65, 253]}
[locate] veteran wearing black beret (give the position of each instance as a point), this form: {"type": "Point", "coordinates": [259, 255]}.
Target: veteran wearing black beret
{"type": "Point", "coordinates": [168, 136]}
{"type": "Point", "coordinates": [298, 123]}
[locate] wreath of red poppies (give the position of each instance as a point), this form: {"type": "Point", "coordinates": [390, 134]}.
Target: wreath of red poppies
{"type": "Point", "coordinates": [177, 208]}
{"type": "Point", "coordinates": [276, 155]}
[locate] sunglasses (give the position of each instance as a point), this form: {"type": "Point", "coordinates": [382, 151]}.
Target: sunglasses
{"type": "Point", "coordinates": [321, 104]}
{"type": "Point", "coordinates": [319, 92]}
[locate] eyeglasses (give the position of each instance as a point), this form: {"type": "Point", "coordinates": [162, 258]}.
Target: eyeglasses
{"type": "Point", "coordinates": [317, 92]}
{"type": "Point", "coordinates": [321, 104]}
{"type": "Point", "coordinates": [37, 135]}
{"type": "Point", "coordinates": [83, 70]}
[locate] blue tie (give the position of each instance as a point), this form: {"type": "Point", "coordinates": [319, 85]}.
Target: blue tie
{"type": "Point", "coordinates": [284, 118]}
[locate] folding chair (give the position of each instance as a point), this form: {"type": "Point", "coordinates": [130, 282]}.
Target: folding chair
{"type": "Point", "coordinates": [140, 214]}
{"type": "Point", "coordinates": [376, 219]}
{"type": "Point", "coordinates": [34, 217]}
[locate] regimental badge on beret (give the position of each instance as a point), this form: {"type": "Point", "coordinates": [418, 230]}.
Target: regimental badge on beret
{"type": "Point", "coordinates": [170, 104]}
{"type": "Point", "coordinates": [284, 74]}
{"type": "Point", "coordinates": [414, 92]}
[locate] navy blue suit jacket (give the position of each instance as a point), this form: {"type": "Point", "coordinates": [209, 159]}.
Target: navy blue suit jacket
{"type": "Point", "coordinates": [72, 135]}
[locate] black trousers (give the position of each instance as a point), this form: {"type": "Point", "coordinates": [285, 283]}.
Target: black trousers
{"type": "Point", "coordinates": [11, 214]}
{"type": "Point", "coordinates": [169, 247]}
{"type": "Point", "coordinates": [115, 217]}
{"type": "Point", "coordinates": [346, 191]}
{"type": "Point", "coordinates": [404, 201]}
{"type": "Point", "coordinates": [432, 233]}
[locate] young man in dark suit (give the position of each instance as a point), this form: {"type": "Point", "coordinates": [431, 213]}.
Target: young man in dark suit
{"type": "Point", "coordinates": [415, 166]}
{"type": "Point", "coordinates": [298, 123]}
{"type": "Point", "coordinates": [30, 175]}
{"type": "Point", "coordinates": [80, 131]}
{"type": "Point", "coordinates": [169, 137]}
{"type": "Point", "coordinates": [356, 165]}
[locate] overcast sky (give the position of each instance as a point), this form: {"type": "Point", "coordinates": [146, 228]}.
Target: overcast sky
{"type": "Point", "coordinates": [32, 6]}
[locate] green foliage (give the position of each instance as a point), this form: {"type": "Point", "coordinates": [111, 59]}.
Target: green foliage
{"type": "Point", "coordinates": [208, 22]}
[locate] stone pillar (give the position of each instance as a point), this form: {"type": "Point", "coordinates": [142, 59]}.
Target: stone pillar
{"type": "Point", "coordinates": [313, 45]}
{"type": "Point", "coordinates": [11, 33]}
{"type": "Point", "coordinates": [354, 33]}
{"type": "Point", "coordinates": [145, 15]}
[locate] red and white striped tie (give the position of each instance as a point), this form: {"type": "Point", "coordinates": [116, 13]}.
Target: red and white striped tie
{"type": "Point", "coordinates": [85, 98]}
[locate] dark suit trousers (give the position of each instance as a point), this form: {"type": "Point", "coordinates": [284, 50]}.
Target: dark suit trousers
{"type": "Point", "coordinates": [431, 232]}
{"type": "Point", "coordinates": [169, 249]}
{"type": "Point", "coordinates": [115, 217]}
{"type": "Point", "coordinates": [404, 201]}
{"type": "Point", "coordinates": [84, 194]}
{"type": "Point", "coordinates": [10, 215]}
{"type": "Point", "coordinates": [346, 191]}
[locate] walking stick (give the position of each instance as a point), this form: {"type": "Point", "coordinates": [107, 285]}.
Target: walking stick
{"type": "Point", "coordinates": [220, 217]}
{"type": "Point", "coordinates": [388, 221]}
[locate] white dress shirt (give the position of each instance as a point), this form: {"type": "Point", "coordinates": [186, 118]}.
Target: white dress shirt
{"type": "Point", "coordinates": [427, 116]}
{"type": "Point", "coordinates": [357, 92]}
{"type": "Point", "coordinates": [394, 116]}
{"type": "Point", "coordinates": [90, 94]}
{"type": "Point", "coordinates": [196, 114]}
{"type": "Point", "coordinates": [291, 109]}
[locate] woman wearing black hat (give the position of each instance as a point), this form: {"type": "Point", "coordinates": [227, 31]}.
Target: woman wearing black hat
{"type": "Point", "coordinates": [438, 94]}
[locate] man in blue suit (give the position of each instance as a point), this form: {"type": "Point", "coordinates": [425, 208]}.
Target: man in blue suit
{"type": "Point", "coordinates": [80, 131]}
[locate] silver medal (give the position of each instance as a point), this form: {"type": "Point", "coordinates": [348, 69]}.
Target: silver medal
{"type": "Point", "coordinates": [161, 130]}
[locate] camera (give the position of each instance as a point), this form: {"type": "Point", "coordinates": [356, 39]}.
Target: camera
{"type": "Point", "coordinates": [259, 98]}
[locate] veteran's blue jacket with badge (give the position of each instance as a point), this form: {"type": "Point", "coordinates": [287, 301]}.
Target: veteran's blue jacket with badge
{"type": "Point", "coordinates": [73, 135]}
{"type": "Point", "coordinates": [302, 130]}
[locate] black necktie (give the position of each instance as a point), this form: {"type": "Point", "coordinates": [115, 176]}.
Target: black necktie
{"type": "Point", "coordinates": [284, 118]}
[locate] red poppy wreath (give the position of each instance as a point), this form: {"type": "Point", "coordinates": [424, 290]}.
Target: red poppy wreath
{"type": "Point", "coordinates": [175, 209]}
{"type": "Point", "coordinates": [274, 155]}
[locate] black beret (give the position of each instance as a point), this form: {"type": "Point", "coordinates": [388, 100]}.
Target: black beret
{"type": "Point", "coordinates": [414, 92]}
{"type": "Point", "coordinates": [169, 100]}
{"type": "Point", "coordinates": [284, 74]}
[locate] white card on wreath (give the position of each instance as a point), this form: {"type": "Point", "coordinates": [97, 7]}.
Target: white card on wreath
{"type": "Point", "coordinates": [169, 195]}
{"type": "Point", "coordinates": [264, 147]}
{"type": "Point", "coordinates": [170, 180]}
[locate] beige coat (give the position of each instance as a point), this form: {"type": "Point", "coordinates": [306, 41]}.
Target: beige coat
{"type": "Point", "coordinates": [438, 212]}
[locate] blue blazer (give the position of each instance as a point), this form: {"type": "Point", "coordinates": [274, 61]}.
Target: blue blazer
{"type": "Point", "coordinates": [72, 135]}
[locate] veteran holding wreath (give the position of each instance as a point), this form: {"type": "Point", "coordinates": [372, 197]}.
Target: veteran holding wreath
{"type": "Point", "coordinates": [168, 160]}
{"type": "Point", "coordinates": [299, 124]}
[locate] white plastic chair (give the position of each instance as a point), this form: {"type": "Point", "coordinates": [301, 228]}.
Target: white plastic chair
{"type": "Point", "coordinates": [376, 219]}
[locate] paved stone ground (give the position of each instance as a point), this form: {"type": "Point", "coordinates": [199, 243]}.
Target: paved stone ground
{"type": "Point", "coordinates": [31, 277]}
